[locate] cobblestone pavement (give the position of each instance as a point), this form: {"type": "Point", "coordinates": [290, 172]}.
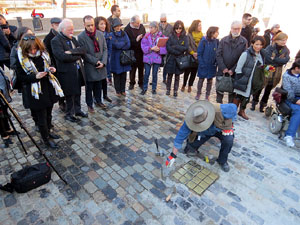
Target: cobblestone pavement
{"type": "Point", "coordinates": [114, 176]}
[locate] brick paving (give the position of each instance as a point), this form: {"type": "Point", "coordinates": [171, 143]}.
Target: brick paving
{"type": "Point", "coordinates": [114, 176]}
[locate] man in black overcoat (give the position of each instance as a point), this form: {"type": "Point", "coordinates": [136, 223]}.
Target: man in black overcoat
{"type": "Point", "coordinates": [68, 55]}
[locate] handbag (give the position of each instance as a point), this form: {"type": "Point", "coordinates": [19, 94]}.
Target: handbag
{"type": "Point", "coordinates": [279, 95]}
{"type": "Point", "coordinates": [15, 83]}
{"type": "Point", "coordinates": [127, 57]}
{"type": "Point", "coordinates": [183, 62]}
{"type": "Point", "coordinates": [224, 83]}
{"type": "Point", "coordinates": [28, 178]}
{"type": "Point", "coordinates": [193, 62]}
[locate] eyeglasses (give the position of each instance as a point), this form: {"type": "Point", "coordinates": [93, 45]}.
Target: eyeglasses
{"type": "Point", "coordinates": [178, 28]}
{"type": "Point", "coordinates": [163, 21]}
{"type": "Point", "coordinates": [29, 38]}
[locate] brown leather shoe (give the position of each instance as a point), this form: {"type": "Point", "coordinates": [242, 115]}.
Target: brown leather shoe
{"type": "Point", "coordinates": [91, 109]}
{"type": "Point", "coordinates": [118, 94]}
{"type": "Point", "coordinates": [189, 89]}
{"type": "Point", "coordinates": [123, 93]}
{"type": "Point", "coordinates": [243, 114]}
{"type": "Point", "coordinates": [182, 88]}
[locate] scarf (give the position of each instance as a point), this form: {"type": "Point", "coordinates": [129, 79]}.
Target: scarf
{"type": "Point", "coordinates": [29, 67]}
{"type": "Point", "coordinates": [94, 39]}
{"type": "Point", "coordinates": [197, 36]}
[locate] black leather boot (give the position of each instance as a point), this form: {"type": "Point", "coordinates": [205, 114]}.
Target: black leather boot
{"type": "Point", "coordinates": [254, 103]}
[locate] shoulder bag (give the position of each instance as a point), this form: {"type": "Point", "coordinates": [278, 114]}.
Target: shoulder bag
{"type": "Point", "coordinates": [224, 83]}
{"type": "Point", "coordinates": [127, 57]}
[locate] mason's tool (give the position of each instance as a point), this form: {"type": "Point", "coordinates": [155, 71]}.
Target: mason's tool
{"type": "Point", "coordinates": [159, 152]}
{"type": "Point", "coordinates": [168, 198]}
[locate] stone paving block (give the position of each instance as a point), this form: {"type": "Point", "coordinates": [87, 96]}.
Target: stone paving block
{"type": "Point", "coordinates": [10, 200]}
{"type": "Point", "coordinates": [234, 196]}
{"type": "Point", "coordinates": [92, 207]}
{"type": "Point", "coordinates": [109, 192]}
{"type": "Point", "coordinates": [183, 203]}
{"type": "Point", "coordinates": [123, 173]}
{"type": "Point", "coordinates": [291, 195]}
{"type": "Point", "coordinates": [87, 218]}
{"type": "Point", "coordinates": [138, 207]}
{"type": "Point", "coordinates": [113, 184]}
{"type": "Point", "coordinates": [90, 187]}
{"type": "Point", "coordinates": [16, 213]}
{"type": "Point", "coordinates": [178, 221]}
{"type": "Point", "coordinates": [239, 207]}
{"type": "Point", "coordinates": [212, 214]}
{"type": "Point", "coordinates": [225, 222]}
{"type": "Point", "coordinates": [130, 214]}
{"type": "Point", "coordinates": [115, 216]}
{"type": "Point", "coordinates": [197, 214]}
{"type": "Point", "coordinates": [220, 210]}
{"type": "Point", "coordinates": [129, 170]}
{"type": "Point", "coordinates": [257, 219]}
{"type": "Point", "coordinates": [103, 219]}
{"type": "Point", "coordinates": [147, 184]}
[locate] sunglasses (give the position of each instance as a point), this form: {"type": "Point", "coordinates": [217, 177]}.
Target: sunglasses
{"type": "Point", "coordinates": [29, 38]}
{"type": "Point", "coordinates": [178, 28]}
{"type": "Point", "coordinates": [163, 21]}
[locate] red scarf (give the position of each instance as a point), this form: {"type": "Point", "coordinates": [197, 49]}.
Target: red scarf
{"type": "Point", "coordinates": [93, 37]}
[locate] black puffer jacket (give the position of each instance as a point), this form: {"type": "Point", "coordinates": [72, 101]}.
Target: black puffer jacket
{"type": "Point", "coordinates": [242, 79]}
{"type": "Point", "coordinates": [176, 47]}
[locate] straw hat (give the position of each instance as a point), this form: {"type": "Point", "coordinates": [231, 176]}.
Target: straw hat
{"type": "Point", "coordinates": [200, 116]}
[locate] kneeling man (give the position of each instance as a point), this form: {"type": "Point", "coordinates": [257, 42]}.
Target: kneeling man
{"type": "Point", "coordinates": [204, 120]}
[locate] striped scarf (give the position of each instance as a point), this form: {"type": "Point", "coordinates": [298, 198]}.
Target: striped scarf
{"type": "Point", "coordinates": [29, 67]}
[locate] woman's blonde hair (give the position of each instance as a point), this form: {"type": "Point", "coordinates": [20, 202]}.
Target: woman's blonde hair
{"type": "Point", "coordinates": [280, 36]}
{"type": "Point", "coordinates": [29, 40]}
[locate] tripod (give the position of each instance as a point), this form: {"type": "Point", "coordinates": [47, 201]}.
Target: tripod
{"type": "Point", "coordinates": [4, 103]}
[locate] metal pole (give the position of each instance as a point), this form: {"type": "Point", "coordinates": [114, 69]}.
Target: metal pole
{"type": "Point", "coordinates": [65, 9]}
{"type": "Point", "coordinates": [96, 8]}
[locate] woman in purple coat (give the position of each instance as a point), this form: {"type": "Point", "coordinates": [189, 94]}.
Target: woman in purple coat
{"type": "Point", "coordinates": [152, 56]}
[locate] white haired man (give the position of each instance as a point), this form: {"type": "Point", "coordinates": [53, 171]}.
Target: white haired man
{"type": "Point", "coordinates": [135, 31]}
{"type": "Point", "coordinates": [228, 53]}
{"type": "Point", "coordinates": [68, 55]}
{"type": "Point", "coordinates": [166, 29]}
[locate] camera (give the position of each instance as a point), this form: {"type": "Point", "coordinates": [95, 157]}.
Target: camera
{"type": "Point", "coordinates": [4, 26]}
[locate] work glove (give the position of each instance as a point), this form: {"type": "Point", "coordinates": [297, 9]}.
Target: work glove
{"type": "Point", "coordinates": [170, 159]}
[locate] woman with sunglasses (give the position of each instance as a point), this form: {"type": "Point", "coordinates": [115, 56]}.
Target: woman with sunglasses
{"type": "Point", "coordinates": [41, 89]}
{"type": "Point", "coordinates": [177, 45]}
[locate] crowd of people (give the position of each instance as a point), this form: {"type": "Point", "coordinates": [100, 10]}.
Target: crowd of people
{"type": "Point", "coordinates": [55, 69]}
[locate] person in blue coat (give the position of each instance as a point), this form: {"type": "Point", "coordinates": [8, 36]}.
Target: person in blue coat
{"type": "Point", "coordinates": [120, 41]}
{"type": "Point", "coordinates": [207, 64]}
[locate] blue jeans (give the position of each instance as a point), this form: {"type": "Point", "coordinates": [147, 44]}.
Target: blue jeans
{"type": "Point", "coordinates": [226, 145]}
{"type": "Point", "coordinates": [294, 120]}
{"type": "Point", "coordinates": [147, 74]}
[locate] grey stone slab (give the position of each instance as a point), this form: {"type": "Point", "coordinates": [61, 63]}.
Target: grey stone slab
{"type": "Point", "coordinates": [130, 214]}
{"type": "Point", "coordinates": [212, 214]}
{"type": "Point", "coordinates": [239, 207]}
{"type": "Point", "coordinates": [291, 195]}
{"type": "Point", "coordinates": [257, 219]}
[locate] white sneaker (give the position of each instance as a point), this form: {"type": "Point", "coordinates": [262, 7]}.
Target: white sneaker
{"type": "Point", "coordinates": [289, 141]}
